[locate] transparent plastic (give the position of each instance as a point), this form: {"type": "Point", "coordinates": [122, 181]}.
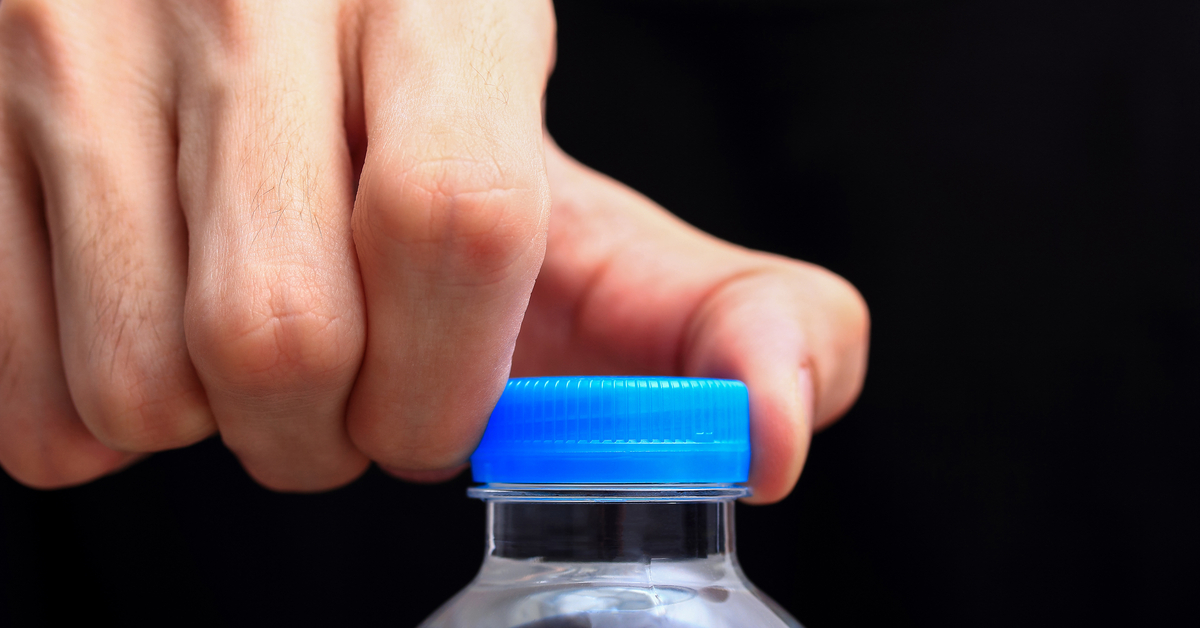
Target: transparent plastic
{"type": "Point", "coordinates": [610, 556]}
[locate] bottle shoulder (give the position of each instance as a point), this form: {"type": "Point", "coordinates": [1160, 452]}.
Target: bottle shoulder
{"type": "Point", "coordinates": [695, 593]}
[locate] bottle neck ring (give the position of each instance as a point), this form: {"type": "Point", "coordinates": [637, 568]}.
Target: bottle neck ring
{"type": "Point", "coordinates": [595, 493]}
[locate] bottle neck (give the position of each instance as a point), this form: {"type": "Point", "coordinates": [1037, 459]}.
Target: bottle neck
{"type": "Point", "coordinates": [617, 531]}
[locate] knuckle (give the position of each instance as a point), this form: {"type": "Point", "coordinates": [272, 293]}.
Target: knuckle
{"type": "Point", "coordinates": [38, 38]}
{"type": "Point", "coordinates": [29, 452]}
{"type": "Point", "coordinates": [30, 22]}
{"type": "Point", "coordinates": [473, 215]}
{"type": "Point", "coordinates": [130, 374]}
{"type": "Point", "coordinates": [142, 406]}
{"type": "Point", "coordinates": [294, 482]}
{"type": "Point", "coordinates": [407, 438]}
{"type": "Point", "coordinates": [285, 336]}
{"type": "Point", "coordinates": [226, 27]}
{"type": "Point", "coordinates": [55, 61]}
{"type": "Point", "coordinates": [414, 449]}
{"type": "Point", "coordinates": [133, 395]}
{"type": "Point", "coordinates": [48, 473]}
{"type": "Point", "coordinates": [39, 476]}
{"type": "Point", "coordinates": [45, 458]}
{"type": "Point", "coordinates": [234, 22]}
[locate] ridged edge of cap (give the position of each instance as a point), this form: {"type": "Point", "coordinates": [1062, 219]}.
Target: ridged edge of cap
{"type": "Point", "coordinates": [617, 429]}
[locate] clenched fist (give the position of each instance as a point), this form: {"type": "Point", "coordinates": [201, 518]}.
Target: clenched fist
{"type": "Point", "coordinates": [315, 227]}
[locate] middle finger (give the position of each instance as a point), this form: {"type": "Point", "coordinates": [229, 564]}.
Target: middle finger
{"type": "Point", "coordinates": [274, 313]}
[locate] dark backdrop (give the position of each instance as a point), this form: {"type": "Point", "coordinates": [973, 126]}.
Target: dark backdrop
{"type": "Point", "coordinates": [1014, 187]}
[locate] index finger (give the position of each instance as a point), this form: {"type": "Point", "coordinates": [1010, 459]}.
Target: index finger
{"type": "Point", "coordinates": [450, 219]}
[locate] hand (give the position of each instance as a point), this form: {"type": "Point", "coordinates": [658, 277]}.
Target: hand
{"type": "Point", "coordinates": [628, 288]}
{"type": "Point", "coordinates": [186, 244]}
{"type": "Point", "coordinates": [212, 271]}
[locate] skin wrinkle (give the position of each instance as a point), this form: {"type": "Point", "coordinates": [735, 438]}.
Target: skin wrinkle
{"type": "Point", "coordinates": [133, 373]}
{"type": "Point", "coordinates": [442, 228]}
{"type": "Point", "coordinates": [278, 318]}
{"type": "Point", "coordinates": [451, 247]}
{"type": "Point", "coordinates": [134, 416]}
{"type": "Point", "coordinates": [109, 310]}
{"type": "Point", "coordinates": [487, 48]}
{"type": "Point", "coordinates": [281, 203]}
{"type": "Point", "coordinates": [112, 367]}
{"type": "Point", "coordinates": [449, 281]}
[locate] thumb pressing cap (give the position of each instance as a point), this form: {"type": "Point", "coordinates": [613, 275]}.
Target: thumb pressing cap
{"type": "Point", "coordinates": [584, 430]}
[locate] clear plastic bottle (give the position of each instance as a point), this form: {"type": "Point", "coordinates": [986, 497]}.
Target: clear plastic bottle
{"type": "Point", "coordinates": [610, 504]}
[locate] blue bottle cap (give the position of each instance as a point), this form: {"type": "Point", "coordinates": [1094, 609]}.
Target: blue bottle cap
{"type": "Point", "coordinates": [599, 430]}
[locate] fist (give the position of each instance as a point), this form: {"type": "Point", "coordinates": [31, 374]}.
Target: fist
{"type": "Point", "coordinates": [311, 226]}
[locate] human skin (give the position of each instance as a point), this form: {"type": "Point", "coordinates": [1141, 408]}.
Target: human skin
{"type": "Point", "coordinates": [326, 231]}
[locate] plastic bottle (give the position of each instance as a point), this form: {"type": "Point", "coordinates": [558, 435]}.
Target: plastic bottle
{"type": "Point", "coordinates": [610, 505]}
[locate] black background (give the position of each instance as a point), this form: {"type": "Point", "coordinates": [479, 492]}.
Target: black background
{"type": "Point", "coordinates": [1015, 189]}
